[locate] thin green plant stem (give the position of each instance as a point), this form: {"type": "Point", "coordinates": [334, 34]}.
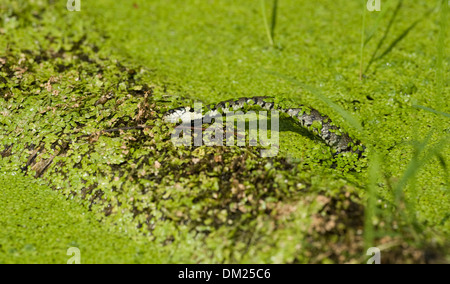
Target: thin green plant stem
{"type": "Point", "coordinates": [386, 32]}
{"type": "Point", "coordinates": [363, 35]}
{"type": "Point", "coordinates": [440, 76]}
{"type": "Point", "coordinates": [352, 121]}
{"type": "Point", "coordinates": [431, 110]}
{"type": "Point", "coordinates": [373, 30]}
{"type": "Point", "coordinates": [370, 210]}
{"type": "Point", "coordinates": [274, 19]}
{"type": "Point", "coordinates": [417, 163]}
{"type": "Point", "coordinates": [266, 23]}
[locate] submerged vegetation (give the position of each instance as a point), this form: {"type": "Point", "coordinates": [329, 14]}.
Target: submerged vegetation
{"type": "Point", "coordinates": [81, 102]}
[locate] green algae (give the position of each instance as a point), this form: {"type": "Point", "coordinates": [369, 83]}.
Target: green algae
{"type": "Point", "coordinates": [152, 57]}
{"type": "Point", "coordinates": [39, 226]}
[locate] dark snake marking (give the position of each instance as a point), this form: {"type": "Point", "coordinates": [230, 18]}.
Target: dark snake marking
{"type": "Point", "coordinates": [318, 124]}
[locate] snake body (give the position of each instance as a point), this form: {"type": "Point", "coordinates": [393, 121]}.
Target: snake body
{"type": "Point", "coordinates": [318, 124]}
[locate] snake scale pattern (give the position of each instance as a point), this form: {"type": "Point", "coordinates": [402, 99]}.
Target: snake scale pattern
{"type": "Point", "coordinates": [318, 124]}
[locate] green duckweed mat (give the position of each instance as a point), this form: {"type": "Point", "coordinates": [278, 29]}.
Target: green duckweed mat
{"type": "Point", "coordinates": [87, 162]}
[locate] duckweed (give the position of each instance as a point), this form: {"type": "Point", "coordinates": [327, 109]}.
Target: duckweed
{"type": "Point", "coordinates": [81, 102]}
